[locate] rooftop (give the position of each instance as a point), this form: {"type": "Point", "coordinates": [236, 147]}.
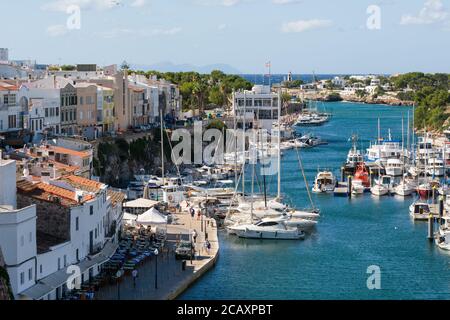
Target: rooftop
{"type": "Point", "coordinates": [51, 193]}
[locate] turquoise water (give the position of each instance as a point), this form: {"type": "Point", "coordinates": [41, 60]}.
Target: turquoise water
{"type": "Point", "coordinates": [352, 234]}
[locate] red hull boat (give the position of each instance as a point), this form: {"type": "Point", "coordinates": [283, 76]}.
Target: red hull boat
{"type": "Point", "coordinates": [362, 175]}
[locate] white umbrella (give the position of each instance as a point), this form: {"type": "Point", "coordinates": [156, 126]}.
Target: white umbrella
{"type": "Point", "coordinates": [151, 217]}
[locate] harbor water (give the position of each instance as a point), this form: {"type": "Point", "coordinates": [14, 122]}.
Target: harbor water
{"type": "Point", "coordinates": [352, 234]}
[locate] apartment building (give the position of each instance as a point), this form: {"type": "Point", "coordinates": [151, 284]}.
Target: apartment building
{"type": "Point", "coordinates": [51, 224]}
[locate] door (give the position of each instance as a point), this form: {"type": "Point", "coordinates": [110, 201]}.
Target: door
{"type": "Point", "coordinates": [91, 242]}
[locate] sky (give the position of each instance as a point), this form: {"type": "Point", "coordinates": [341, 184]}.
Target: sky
{"type": "Point", "coordinates": [301, 36]}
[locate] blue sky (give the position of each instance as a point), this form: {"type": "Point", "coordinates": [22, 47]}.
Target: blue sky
{"type": "Point", "coordinates": [327, 36]}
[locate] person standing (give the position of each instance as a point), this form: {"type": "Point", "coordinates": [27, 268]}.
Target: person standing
{"type": "Point", "coordinates": [192, 213]}
{"type": "Point", "coordinates": [194, 235]}
{"type": "Point", "coordinates": [135, 275]}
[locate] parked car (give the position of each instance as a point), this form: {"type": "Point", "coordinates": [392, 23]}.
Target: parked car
{"type": "Point", "coordinates": [185, 250]}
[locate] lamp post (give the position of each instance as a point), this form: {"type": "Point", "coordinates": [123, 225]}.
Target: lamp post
{"type": "Point", "coordinates": [156, 252]}
{"type": "Point", "coordinates": [118, 276]}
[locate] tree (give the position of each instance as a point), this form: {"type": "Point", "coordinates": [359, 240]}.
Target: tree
{"type": "Point", "coordinates": [216, 96]}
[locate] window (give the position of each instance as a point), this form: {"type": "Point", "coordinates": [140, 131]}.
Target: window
{"type": "Point", "coordinates": [30, 274]}
{"type": "Point", "coordinates": [59, 263]}
{"type": "Point", "coordinates": [57, 112]}
{"type": "Point", "coordinates": [91, 210]}
{"type": "Point", "coordinates": [22, 241]}
{"type": "Point", "coordinates": [77, 254]}
{"type": "Point", "coordinates": [96, 233]}
{"type": "Point", "coordinates": [40, 268]}
{"type": "Point", "coordinates": [12, 121]}
{"type": "Point", "coordinates": [9, 99]}
{"type": "Point", "coordinates": [81, 100]}
{"type": "Point", "coordinates": [22, 278]}
{"type": "Point", "coordinates": [46, 112]}
{"type": "Point", "coordinates": [77, 223]}
{"type": "Point", "coordinates": [65, 260]}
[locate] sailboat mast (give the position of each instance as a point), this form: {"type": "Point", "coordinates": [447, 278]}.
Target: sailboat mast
{"type": "Point", "coordinates": [162, 145]}
{"type": "Point", "coordinates": [243, 145]}
{"type": "Point", "coordinates": [279, 144]}
{"type": "Point", "coordinates": [235, 140]}
{"type": "Point", "coordinates": [253, 159]}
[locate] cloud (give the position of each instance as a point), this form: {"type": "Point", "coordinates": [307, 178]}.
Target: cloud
{"type": "Point", "coordinates": [57, 30]}
{"type": "Point", "coordinates": [62, 5]}
{"type": "Point", "coordinates": [286, 1]}
{"type": "Point", "coordinates": [222, 26]}
{"type": "Point", "coordinates": [101, 5]}
{"type": "Point", "coordinates": [433, 11]}
{"type": "Point", "coordinates": [138, 3]}
{"type": "Point", "coordinates": [118, 32]}
{"type": "Point", "coordinates": [304, 25]}
{"type": "Point", "coordinates": [224, 3]}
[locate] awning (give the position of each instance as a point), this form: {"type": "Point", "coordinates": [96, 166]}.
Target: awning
{"type": "Point", "coordinates": [129, 217]}
{"type": "Point", "coordinates": [140, 203]}
{"type": "Point", "coordinates": [151, 217]}
{"type": "Point", "coordinates": [37, 291]}
{"type": "Point", "coordinates": [59, 278]}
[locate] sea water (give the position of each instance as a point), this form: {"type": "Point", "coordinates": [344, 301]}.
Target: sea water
{"type": "Point", "coordinates": [352, 235]}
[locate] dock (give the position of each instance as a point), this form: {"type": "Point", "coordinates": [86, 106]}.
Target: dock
{"type": "Point", "coordinates": [172, 279]}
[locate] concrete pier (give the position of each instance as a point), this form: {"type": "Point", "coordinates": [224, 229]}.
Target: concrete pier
{"type": "Point", "coordinates": [172, 280]}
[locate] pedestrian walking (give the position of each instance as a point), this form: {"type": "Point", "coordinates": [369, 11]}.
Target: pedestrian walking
{"type": "Point", "coordinates": [194, 235]}
{"type": "Point", "coordinates": [135, 275]}
{"type": "Point", "coordinates": [208, 246]}
{"type": "Point", "coordinates": [192, 212]}
{"type": "Point", "coordinates": [199, 214]}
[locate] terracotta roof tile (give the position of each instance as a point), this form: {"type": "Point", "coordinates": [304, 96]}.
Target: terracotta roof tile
{"type": "Point", "coordinates": [91, 185]}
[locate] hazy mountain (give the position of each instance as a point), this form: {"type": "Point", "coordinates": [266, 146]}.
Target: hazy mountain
{"type": "Point", "coordinates": [168, 66]}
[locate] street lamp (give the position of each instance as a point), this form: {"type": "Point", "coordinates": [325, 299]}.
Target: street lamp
{"type": "Point", "coordinates": [119, 275]}
{"type": "Point", "coordinates": [156, 252]}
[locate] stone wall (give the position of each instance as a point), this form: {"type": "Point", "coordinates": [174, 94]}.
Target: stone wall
{"type": "Point", "coordinates": [52, 218]}
{"type": "Point", "coordinates": [5, 288]}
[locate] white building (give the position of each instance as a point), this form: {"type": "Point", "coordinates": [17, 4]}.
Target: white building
{"type": "Point", "coordinates": [11, 116]}
{"type": "Point", "coordinates": [51, 224]}
{"type": "Point", "coordinates": [260, 107]}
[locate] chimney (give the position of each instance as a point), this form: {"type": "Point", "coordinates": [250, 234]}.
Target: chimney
{"type": "Point", "coordinates": [78, 196]}
{"type": "Point", "coordinates": [45, 177]}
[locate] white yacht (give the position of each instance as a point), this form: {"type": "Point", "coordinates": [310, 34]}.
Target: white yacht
{"type": "Point", "coordinates": [419, 210]}
{"type": "Point", "coordinates": [394, 167]}
{"type": "Point", "coordinates": [268, 229]}
{"type": "Point", "coordinates": [435, 167]}
{"type": "Point", "coordinates": [324, 182]}
{"type": "Point", "coordinates": [379, 190]}
{"type": "Point", "coordinates": [404, 189]}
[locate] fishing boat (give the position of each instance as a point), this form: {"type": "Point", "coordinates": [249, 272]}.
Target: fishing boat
{"type": "Point", "coordinates": [275, 229]}
{"type": "Point", "coordinates": [354, 156]}
{"type": "Point", "coordinates": [419, 210]}
{"type": "Point", "coordinates": [394, 167]}
{"type": "Point", "coordinates": [324, 182]}
{"type": "Point", "coordinates": [362, 175]}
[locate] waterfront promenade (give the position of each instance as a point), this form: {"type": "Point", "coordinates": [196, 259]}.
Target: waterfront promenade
{"type": "Point", "coordinates": [172, 280]}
